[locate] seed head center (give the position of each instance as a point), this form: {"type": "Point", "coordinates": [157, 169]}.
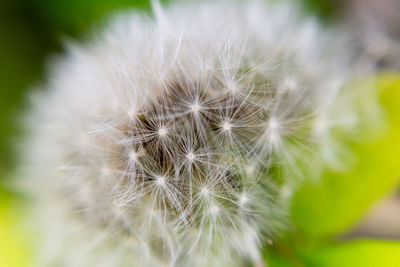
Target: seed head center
{"type": "Point", "coordinates": [132, 113]}
{"type": "Point", "coordinates": [204, 191]}
{"type": "Point", "coordinates": [160, 180]}
{"type": "Point", "coordinates": [195, 108]}
{"type": "Point", "coordinates": [273, 124]}
{"type": "Point", "coordinates": [191, 156]}
{"type": "Point", "coordinates": [133, 155]}
{"type": "Point", "coordinates": [243, 199]}
{"type": "Point", "coordinates": [162, 131]}
{"type": "Point", "coordinates": [227, 126]}
{"type": "Point", "coordinates": [214, 209]}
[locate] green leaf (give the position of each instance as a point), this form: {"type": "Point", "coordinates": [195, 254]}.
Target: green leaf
{"type": "Point", "coordinates": [365, 253]}
{"type": "Point", "coordinates": [23, 46]}
{"type": "Point", "coordinates": [330, 206]}
{"type": "Point", "coordinates": [280, 255]}
{"type": "Point", "coordinates": [75, 16]}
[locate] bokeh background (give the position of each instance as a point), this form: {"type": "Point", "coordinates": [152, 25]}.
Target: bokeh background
{"type": "Point", "coordinates": [352, 219]}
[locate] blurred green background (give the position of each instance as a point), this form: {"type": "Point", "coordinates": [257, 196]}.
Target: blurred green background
{"type": "Point", "coordinates": [323, 214]}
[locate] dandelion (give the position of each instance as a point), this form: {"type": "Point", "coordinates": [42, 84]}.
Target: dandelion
{"type": "Point", "coordinates": [191, 111]}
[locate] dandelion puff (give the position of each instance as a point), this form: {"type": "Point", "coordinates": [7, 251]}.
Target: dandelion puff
{"type": "Point", "coordinates": [153, 143]}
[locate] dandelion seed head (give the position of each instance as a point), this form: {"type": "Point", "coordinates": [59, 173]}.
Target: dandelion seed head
{"type": "Point", "coordinates": [189, 121]}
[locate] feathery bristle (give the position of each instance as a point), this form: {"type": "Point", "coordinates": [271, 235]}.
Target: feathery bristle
{"type": "Point", "coordinates": [154, 142]}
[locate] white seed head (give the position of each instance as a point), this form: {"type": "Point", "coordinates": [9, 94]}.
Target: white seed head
{"type": "Point", "coordinates": [231, 65]}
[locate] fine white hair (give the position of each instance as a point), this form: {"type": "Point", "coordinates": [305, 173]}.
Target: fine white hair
{"type": "Point", "coordinates": [153, 144]}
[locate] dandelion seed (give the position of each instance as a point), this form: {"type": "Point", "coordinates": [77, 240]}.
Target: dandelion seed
{"type": "Point", "coordinates": [133, 155]}
{"type": "Point", "coordinates": [191, 156]}
{"type": "Point", "coordinates": [162, 131]}
{"type": "Point", "coordinates": [290, 84]}
{"type": "Point", "coordinates": [243, 199]}
{"type": "Point", "coordinates": [195, 108]}
{"type": "Point", "coordinates": [214, 209]}
{"type": "Point", "coordinates": [105, 171]}
{"type": "Point", "coordinates": [132, 113]}
{"type": "Point", "coordinates": [204, 191]}
{"type": "Point", "coordinates": [160, 180]}
{"type": "Point", "coordinates": [232, 87]}
{"type": "Point", "coordinates": [273, 124]}
{"type": "Point", "coordinates": [286, 191]}
{"type": "Point", "coordinates": [250, 169]}
{"type": "Point", "coordinates": [226, 126]}
{"type": "Point", "coordinates": [321, 125]}
{"type": "Point", "coordinates": [273, 131]}
{"type": "Point", "coordinates": [274, 137]}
